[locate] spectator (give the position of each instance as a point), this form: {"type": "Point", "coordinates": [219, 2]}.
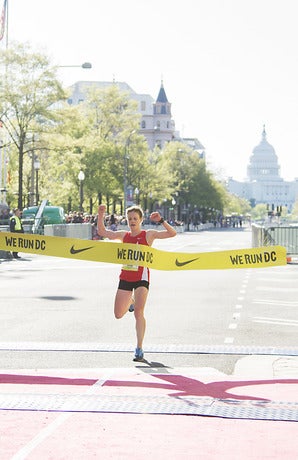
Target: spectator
{"type": "Point", "coordinates": [15, 226]}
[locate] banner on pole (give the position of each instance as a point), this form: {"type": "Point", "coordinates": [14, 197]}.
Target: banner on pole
{"type": "Point", "coordinates": [3, 20]}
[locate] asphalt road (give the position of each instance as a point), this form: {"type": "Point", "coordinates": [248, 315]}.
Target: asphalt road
{"type": "Point", "coordinates": [58, 313]}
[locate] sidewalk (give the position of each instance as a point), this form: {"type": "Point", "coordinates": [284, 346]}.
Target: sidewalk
{"type": "Point", "coordinates": [144, 412]}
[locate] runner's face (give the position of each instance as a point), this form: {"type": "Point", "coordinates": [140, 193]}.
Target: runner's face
{"type": "Point", "coordinates": [134, 220]}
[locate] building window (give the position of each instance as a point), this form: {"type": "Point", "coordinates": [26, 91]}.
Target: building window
{"type": "Point", "coordinates": [143, 106]}
{"type": "Point", "coordinates": [143, 124]}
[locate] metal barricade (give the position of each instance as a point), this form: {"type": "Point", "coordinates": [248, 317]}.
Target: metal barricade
{"type": "Point", "coordinates": [82, 231]}
{"type": "Point", "coordinates": [286, 236]}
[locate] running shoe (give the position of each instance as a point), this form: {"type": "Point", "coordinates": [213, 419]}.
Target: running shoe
{"type": "Point", "coordinates": [132, 305]}
{"type": "Point", "coordinates": [139, 354]}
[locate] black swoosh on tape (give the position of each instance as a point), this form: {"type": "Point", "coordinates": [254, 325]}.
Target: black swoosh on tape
{"type": "Point", "coordinates": [77, 251]}
{"type": "Point", "coordinates": [181, 264]}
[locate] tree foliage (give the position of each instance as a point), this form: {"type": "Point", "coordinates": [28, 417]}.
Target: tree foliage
{"type": "Point", "coordinates": [99, 136]}
{"type": "Point", "coordinates": [236, 205]}
{"type": "Point", "coordinates": [189, 179]}
{"type": "Point", "coordinates": [113, 148]}
{"type": "Point", "coordinates": [28, 90]}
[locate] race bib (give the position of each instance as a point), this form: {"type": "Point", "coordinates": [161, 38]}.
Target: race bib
{"type": "Point", "coordinates": [130, 268]}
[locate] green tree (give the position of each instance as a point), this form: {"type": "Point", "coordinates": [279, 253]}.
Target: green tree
{"type": "Point", "coordinates": [189, 180]}
{"type": "Point", "coordinates": [294, 213]}
{"type": "Point", "coordinates": [236, 205]}
{"type": "Point", "coordinates": [28, 91]}
{"type": "Point", "coordinates": [114, 152]}
{"type": "Point", "coordinates": [64, 156]}
{"type": "Point", "coordinates": [99, 136]}
{"type": "Point", "coordinates": [259, 212]}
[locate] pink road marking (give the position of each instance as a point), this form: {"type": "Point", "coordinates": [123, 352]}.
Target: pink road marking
{"type": "Point", "coordinates": [34, 435]}
{"type": "Point", "coordinates": [48, 430]}
{"type": "Point", "coordinates": [120, 436]}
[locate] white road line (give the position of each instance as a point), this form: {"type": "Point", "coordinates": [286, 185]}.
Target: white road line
{"type": "Point", "coordinates": [49, 430]}
{"type": "Point", "coordinates": [280, 321]}
{"type": "Point", "coordinates": [232, 326]}
{"type": "Point", "coordinates": [236, 315]}
{"type": "Point", "coordinates": [229, 340]}
{"type": "Point", "coordinates": [279, 280]}
{"type": "Point", "coordinates": [277, 289]}
{"type": "Point", "coordinates": [42, 435]}
{"type": "Point", "coordinates": [279, 303]}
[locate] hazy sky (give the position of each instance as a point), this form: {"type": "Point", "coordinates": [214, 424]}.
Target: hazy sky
{"type": "Point", "coordinates": [228, 66]}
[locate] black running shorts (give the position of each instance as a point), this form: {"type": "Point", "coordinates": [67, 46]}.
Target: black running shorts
{"type": "Point", "coordinates": [131, 285]}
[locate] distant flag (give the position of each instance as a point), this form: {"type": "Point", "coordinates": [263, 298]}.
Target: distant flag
{"type": "Point", "coordinates": [3, 20]}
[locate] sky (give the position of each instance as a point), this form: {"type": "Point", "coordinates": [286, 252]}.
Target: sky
{"type": "Point", "coordinates": [228, 66]}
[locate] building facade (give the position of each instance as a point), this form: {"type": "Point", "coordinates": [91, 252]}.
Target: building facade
{"type": "Point", "coordinates": [156, 122]}
{"type": "Point", "coordinates": [264, 184]}
{"type": "Point", "coordinates": [159, 126]}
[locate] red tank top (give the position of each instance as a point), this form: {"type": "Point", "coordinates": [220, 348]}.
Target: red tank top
{"type": "Point", "coordinates": [131, 271]}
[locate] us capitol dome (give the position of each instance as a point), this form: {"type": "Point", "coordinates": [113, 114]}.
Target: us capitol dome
{"type": "Point", "coordinates": [264, 184]}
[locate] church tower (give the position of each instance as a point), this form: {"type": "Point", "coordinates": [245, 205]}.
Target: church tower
{"type": "Point", "coordinates": [162, 105]}
{"type": "Point", "coordinates": [163, 125]}
{"type": "Point", "coordinates": [156, 123]}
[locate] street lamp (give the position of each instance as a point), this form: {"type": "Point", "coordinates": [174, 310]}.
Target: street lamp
{"type": "Point", "coordinates": [137, 191]}
{"type": "Point", "coordinates": [31, 138]}
{"type": "Point", "coordinates": [126, 157]}
{"type": "Point", "coordinates": [85, 65]}
{"type": "Point", "coordinates": [81, 177]}
{"type": "Point", "coordinates": [36, 168]}
{"type": "Point", "coordinates": [174, 204]}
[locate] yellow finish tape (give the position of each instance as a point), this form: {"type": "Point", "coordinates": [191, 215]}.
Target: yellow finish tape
{"type": "Point", "coordinates": [130, 254]}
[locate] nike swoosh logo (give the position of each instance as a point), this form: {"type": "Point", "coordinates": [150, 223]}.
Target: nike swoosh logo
{"type": "Point", "coordinates": [76, 251]}
{"type": "Point", "coordinates": [181, 264]}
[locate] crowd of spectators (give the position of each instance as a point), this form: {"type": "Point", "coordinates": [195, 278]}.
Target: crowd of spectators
{"type": "Point", "coordinates": [5, 214]}
{"type": "Point", "coordinates": [77, 217]}
{"type": "Point", "coordinates": [112, 220]}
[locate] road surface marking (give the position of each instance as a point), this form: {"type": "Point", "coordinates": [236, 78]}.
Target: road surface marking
{"type": "Point", "coordinates": [49, 430]}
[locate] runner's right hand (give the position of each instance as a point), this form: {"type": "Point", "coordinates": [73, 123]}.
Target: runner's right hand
{"type": "Point", "coordinates": [102, 209]}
